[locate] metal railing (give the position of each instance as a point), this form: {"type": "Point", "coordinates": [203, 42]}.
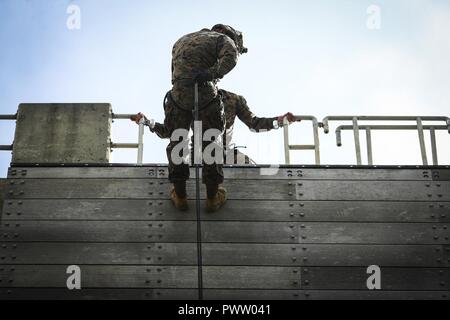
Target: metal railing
{"type": "Point", "coordinates": [7, 117]}
{"type": "Point", "coordinates": [316, 146]}
{"type": "Point", "coordinates": [140, 145]}
{"type": "Point", "coordinates": [356, 127]}
{"type": "Point", "coordinates": [442, 123]}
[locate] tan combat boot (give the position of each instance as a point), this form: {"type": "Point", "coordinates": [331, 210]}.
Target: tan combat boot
{"type": "Point", "coordinates": [212, 205]}
{"type": "Point", "coordinates": [179, 203]}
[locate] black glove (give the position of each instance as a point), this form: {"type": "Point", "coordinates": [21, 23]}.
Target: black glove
{"type": "Point", "coordinates": [203, 77]}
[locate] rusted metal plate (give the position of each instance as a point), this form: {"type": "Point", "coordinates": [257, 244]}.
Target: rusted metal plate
{"type": "Point", "coordinates": [70, 253]}
{"type": "Point", "coordinates": [100, 231]}
{"type": "Point", "coordinates": [416, 279]}
{"type": "Point", "coordinates": [137, 189]}
{"type": "Point", "coordinates": [225, 232]}
{"type": "Point", "coordinates": [239, 173]}
{"type": "Point", "coordinates": [325, 233]}
{"type": "Point", "coordinates": [144, 277]}
{"type": "Point", "coordinates": [324, 295]}
{"type": "Point", "coordinates": [97, 294]}
{"type": "Point", "coordinates": [234, 210]}
{"type": "Point", "coordinates": [373, 190]}
{"type": "Point", "coordinates": [224, 254]}
{"type": "Point", "coordinates": [441, 175]}
{"type": "Point", "coordinates": [226, 277]}
{"type": "Point", "coordinates": [252, 190]}
{"type": "Point", "coordinates": [215, 294]}
{"type": "Point", "coordinates": [324, 255]}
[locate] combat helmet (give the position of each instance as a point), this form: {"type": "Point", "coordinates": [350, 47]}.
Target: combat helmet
{"type": "Point", "coordinates": [235, 35]}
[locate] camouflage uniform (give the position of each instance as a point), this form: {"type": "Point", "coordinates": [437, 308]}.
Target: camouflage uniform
{"type": "Point", "coordinates": [234, 105]}
{"type": "Point", "coordinates": [201, 51]}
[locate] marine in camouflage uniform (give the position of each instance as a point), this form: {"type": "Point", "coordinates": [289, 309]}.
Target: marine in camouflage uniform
{"type": "Point", "coordinates": [234, 106]}
{"type": "Point", "coordinates": [201, 57]}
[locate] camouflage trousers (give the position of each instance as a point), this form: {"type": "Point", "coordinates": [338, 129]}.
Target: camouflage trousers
{"type": "Point", "coordinates": [179, 116]}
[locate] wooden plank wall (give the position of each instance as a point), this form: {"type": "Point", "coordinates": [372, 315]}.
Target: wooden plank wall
{"type": "Point", "coordinates": [295, 233]}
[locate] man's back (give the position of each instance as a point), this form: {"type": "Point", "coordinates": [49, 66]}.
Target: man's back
{"type": "Point", "coordinates": [196, 52]}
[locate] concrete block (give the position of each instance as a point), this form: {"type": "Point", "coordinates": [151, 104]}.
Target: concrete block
{"type": "Point", "coordinates": [63, 133]}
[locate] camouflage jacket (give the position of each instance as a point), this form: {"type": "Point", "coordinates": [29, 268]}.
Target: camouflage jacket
{"type": "Point", "coordinates": [234, 105]}
{"type": "Point", "coordinates": [204, 50]}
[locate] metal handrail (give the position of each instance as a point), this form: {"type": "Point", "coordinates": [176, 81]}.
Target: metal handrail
{"type": "Point", "coordinates": [418, 119]}
{"type": "Point", "coordinates": [7, 117]}
{"type": "Point", "coordinates": [139, 146]}
{"type": "Point", "coordinates": [356, 127]}
{"type": "Point", "coordinates": [288, 147]}
{"type": "Point", "coordinates": [325, 122]}
{"type": "Point", "coordinates": [370, 128]}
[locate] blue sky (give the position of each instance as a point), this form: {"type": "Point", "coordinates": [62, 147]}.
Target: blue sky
{"type": "Point", "coordinates": [308, 57]}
